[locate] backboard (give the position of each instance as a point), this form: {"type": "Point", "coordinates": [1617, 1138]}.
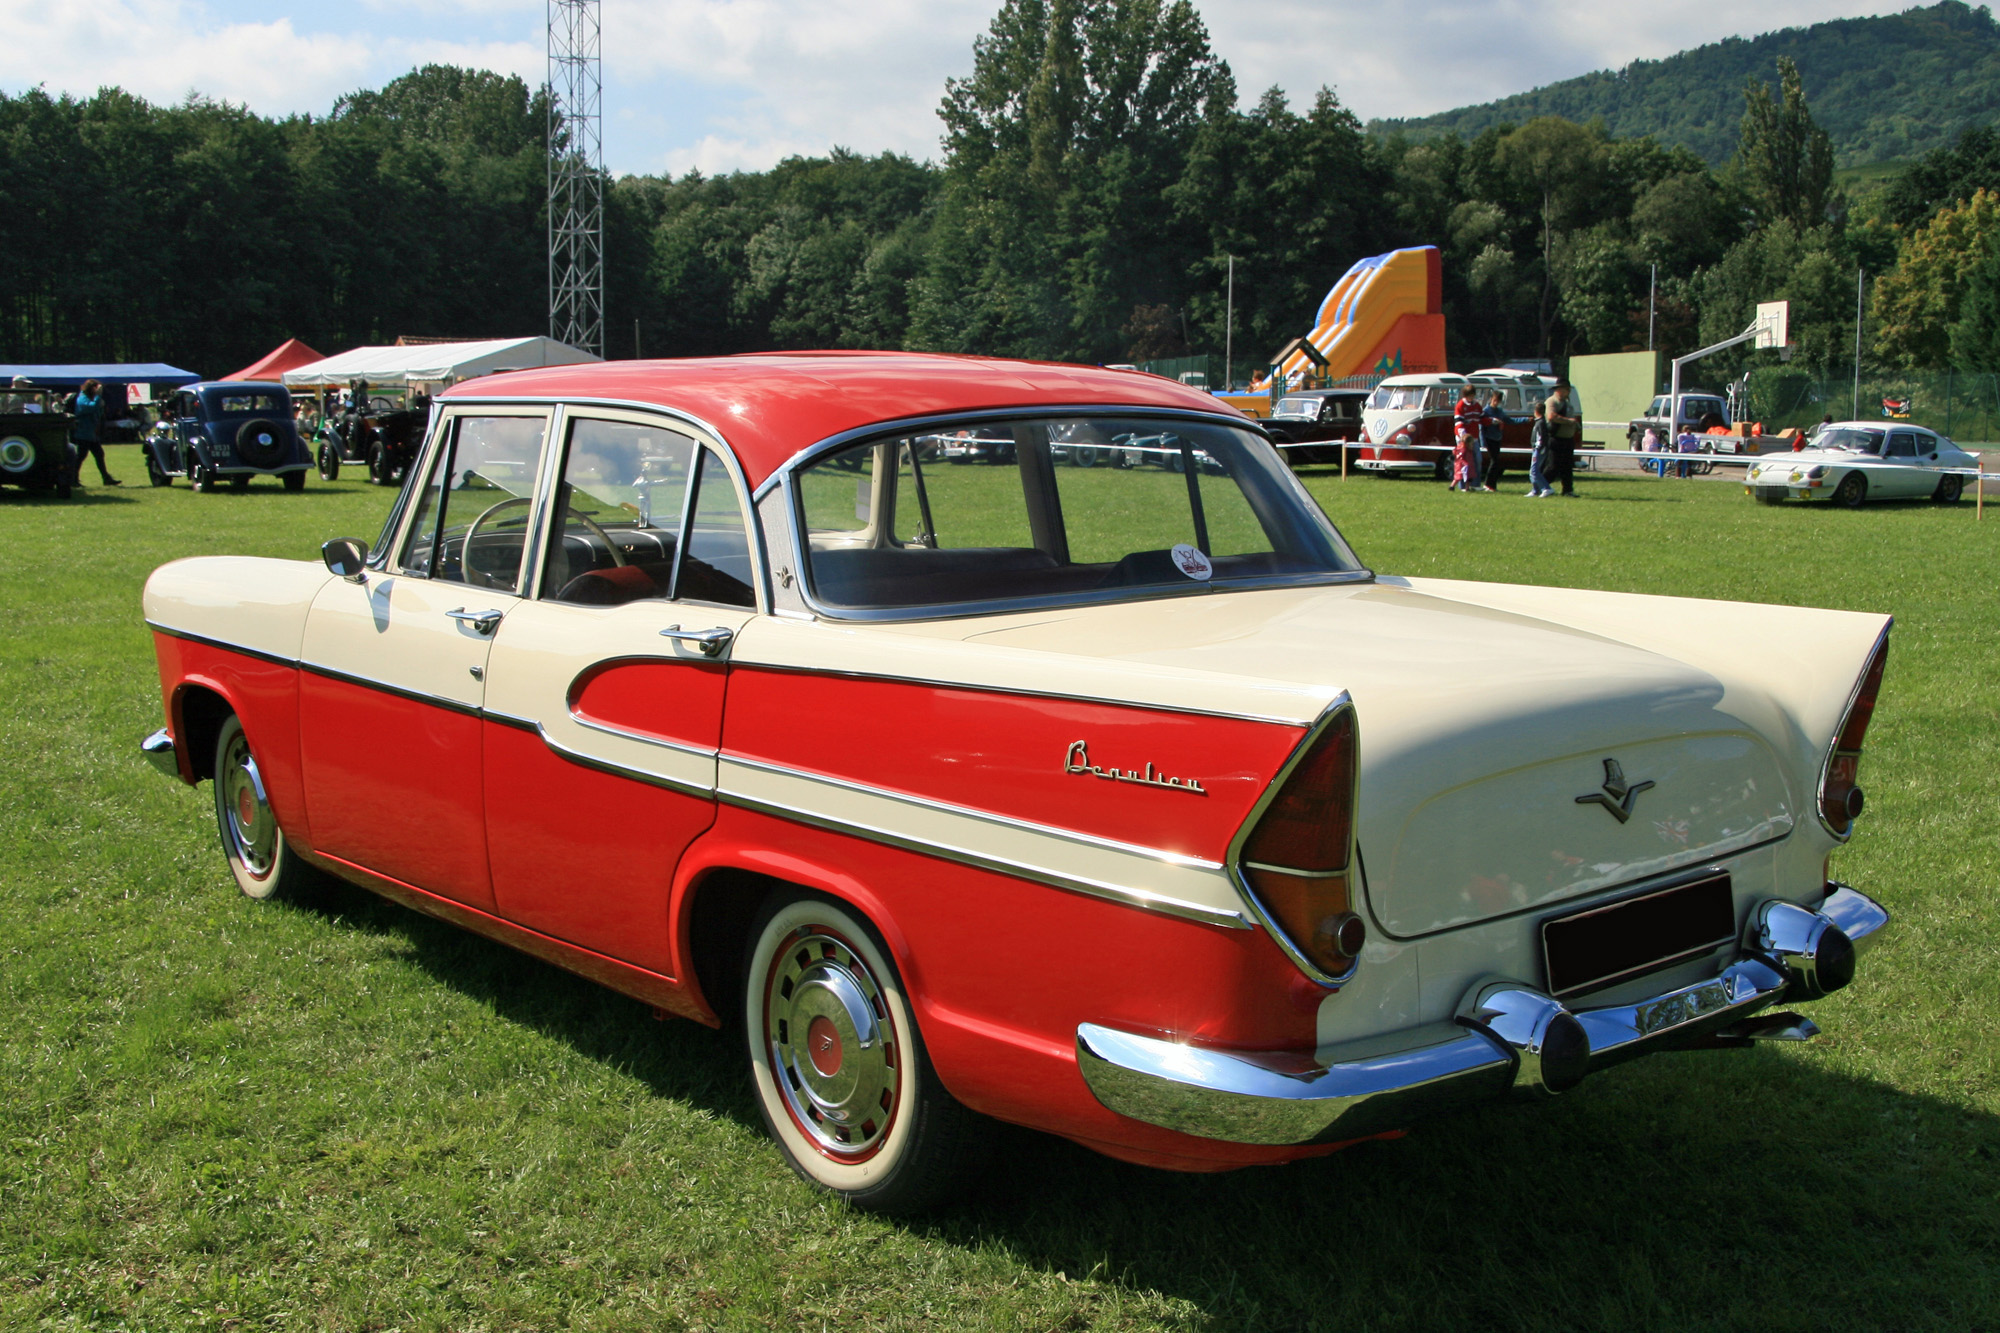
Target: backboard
{"type": "Point", "coordinates": [1772, 318]}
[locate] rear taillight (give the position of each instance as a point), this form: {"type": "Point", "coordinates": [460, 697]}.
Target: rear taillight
{"type": "Point", "coordinates": [1298, 859]}
{"type": "Point", "coordinates": [1839, 794]}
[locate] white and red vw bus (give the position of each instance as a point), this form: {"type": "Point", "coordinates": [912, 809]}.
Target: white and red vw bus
{"type": "Point", "coordinates": [1406, 426]}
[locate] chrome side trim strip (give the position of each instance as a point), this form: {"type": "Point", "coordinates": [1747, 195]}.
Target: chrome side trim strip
{"type": "Point", "coordinates": [224, 644]}
{"type": "Point", "coordinates": [1125, 894]}
{"type": "Point", "coordinates": [615, 769]}
{"type": "Point", "coordinates": [1023, 691]}
{"type": "Point", "coordinates": [986, 816]}
{"type": "Point", "coordinates": [415, 696]}
{"type": "Point", "coordinates": [679, 747]}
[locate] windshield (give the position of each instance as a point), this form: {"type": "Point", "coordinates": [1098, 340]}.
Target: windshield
{"type": "Point", "coordinates": [1075, 509]}
{"type": "Point", "coordinates": [1398, 398]}
{"type": "Point", "coordinates": [1850, 439]}
{"type": "Point", "coordinates": [1305, 408]}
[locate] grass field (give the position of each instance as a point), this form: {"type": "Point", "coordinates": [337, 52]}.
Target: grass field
{"type": "Point", "coordinates": [220, 1114]}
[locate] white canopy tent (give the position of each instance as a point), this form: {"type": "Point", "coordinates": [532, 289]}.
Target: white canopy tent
{"type": "Point", "coordinates": [443, 363]}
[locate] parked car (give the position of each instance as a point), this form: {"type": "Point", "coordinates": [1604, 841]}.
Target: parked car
{"type": "Point", "coordinates": [35, 452]}
{"type": "Point", "coordinates": [227, 430]}
{"type": "Point", "coordinates": [1700, 410]}
{"type": "Point", "coordinates": [374, 431]}
{"type": "Point", "coordinates": [1852, 462]}
{"type": "Point", "coordinates": [1303, 420]}
{"type": "Point", "coordinates": [1127, 806]}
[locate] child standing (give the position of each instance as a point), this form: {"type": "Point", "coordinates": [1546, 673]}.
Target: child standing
{"type": "Point", "coordinates": [1467, 419]}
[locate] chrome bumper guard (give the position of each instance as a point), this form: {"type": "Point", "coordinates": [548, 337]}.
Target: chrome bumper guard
{"type": "Point", "coordinates": [159, 750]}
{"type": "Point", "coordinates": [1508, 1039]}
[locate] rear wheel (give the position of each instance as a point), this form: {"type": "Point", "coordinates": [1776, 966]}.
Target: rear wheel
{"type": "Point", "coordinates": [1948, 490]}
{"type": "Point", "coordinates": [1853, 489]}
{"type": "Point", "coordinates": [262, 861]}
{"type": "Point", "coordinates": [838, 1067]}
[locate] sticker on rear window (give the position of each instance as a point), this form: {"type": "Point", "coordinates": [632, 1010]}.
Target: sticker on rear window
{"type": "Point", "coordinates": [1191, 562]}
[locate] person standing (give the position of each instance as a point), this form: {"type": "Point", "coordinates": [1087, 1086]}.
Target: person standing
{"type": "Point", "coordinates": [1466, 415]}
{"type": "Point", "coordinates": [1563, 425]}
{"type": "Point", "coordinates": [1493, 433]}
{"type": "Point", "coordinates": [85, 429]}
{"type": "Point", "coordinates": [1688, 443]}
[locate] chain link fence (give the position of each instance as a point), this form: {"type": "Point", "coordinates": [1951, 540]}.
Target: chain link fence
{"type": "Point", "coordinates": [1964, 406]}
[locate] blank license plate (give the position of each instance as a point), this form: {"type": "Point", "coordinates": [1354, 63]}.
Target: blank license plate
{"type": "Point", "coordinates": [1593, 948]}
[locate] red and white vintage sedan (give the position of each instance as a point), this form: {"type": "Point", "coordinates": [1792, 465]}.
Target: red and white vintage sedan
{"type": "Point", "coordinates": [1126, 804]}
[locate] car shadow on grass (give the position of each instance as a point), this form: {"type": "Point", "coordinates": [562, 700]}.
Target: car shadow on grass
{"type": "Point", "coordinates": [1715, 1188]}
{"type": "Point", "coordinates": [83, 496]}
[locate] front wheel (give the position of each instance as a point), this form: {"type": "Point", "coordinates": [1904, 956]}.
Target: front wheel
{"type": "Point", "coordinates": [1853, 489]}
{"type": "Point", "coordinates": [156, 474]}
{"type": "Point", "coordinates": [378, 464]}
{"type": "Point", "coordinates": [262, 861]}
{"type": "Point", "coordinates": [328, 458]}
{"type": "Point", "coordinates": [838, 1068]}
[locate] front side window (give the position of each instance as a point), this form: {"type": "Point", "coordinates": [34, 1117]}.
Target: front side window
{"type": "Point", "coordinates": [644, 512]}
{"type": "Point", "coordinates": [474, 508]}
{"type": "Point", "coordinates": [1162, 507]}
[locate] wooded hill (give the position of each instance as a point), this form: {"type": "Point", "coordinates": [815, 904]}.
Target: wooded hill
{"type": "Point", "coordinates": [1883, 88]}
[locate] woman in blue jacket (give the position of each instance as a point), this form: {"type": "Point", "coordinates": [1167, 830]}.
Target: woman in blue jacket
{"type": "Point", "coordinates": [85, 429]}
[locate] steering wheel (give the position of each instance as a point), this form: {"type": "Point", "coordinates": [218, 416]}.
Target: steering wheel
{"type": "Point", "coordinates": [617, 556]}
{"type": "Point", "coordinates": [476, 577]}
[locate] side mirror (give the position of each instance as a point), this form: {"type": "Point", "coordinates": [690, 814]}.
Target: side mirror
{"type": "Point", "coordinates": [347, 557]}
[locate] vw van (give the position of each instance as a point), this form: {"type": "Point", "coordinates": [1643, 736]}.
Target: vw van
{"type": "Point", "coordinates": [1406, 426]}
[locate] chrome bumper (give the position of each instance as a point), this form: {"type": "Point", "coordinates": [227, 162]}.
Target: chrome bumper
{"type": "Point", "coordinates": [159, 750]}
{"type": "Point", "coordinates": [1508, 1038]}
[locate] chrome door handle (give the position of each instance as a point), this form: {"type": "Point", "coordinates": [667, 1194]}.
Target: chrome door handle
{"type": "Point", "coordinates": [710, 641]}
{"type": "Point", "coordinates": [483, 621]}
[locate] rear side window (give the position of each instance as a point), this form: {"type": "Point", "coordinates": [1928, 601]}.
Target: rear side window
{"type": "Point", "coordinates": [1071, 509]}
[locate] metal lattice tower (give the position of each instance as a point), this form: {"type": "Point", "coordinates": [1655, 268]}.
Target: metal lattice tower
{"type": "Point", "coordinates": [576, 175]}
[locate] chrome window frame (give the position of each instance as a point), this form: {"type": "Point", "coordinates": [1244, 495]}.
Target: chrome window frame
{"type": "Point", "coordinates": [559, 409]}
{"type": "Point", "coordinates": [402, 514]}
{"type": "Point", "coordinates": [783, 480]}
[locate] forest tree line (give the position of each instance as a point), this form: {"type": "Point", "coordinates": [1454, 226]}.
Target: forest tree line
{"type": "Point", "coordinates": [1097, 174]}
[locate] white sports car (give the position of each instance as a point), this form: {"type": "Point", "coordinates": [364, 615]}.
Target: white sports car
{"type": "Point", "coordinates": [1852, 462]}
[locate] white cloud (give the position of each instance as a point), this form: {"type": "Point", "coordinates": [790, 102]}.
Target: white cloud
{"type": "Point", "coordinates": [724, 85]}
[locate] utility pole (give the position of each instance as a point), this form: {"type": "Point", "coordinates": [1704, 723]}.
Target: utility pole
{"type": "Point", "coordinates": [576, 175]}
{"type": "Point", "coordinates": [1858, 273]}
{"type": "Point", "coordinates": [1229, 333]}
{"type": "Point", "coordinates": [1652, 308]}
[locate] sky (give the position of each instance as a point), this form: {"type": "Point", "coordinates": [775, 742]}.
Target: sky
{"type": "Point", "coordinates": [727, 85]}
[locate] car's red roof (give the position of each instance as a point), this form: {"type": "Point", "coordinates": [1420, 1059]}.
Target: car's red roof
{"type": "Point", "coordinates": [768, 406]}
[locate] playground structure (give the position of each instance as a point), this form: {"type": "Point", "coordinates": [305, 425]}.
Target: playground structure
{"type": "Point", "coordinates": [1384, 317]}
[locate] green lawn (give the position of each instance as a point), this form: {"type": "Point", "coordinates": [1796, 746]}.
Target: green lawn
{"type": "Point", "coordinates": [231, 1115]}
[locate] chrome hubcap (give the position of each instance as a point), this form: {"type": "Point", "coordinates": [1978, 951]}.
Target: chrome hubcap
{"type": "Point", "coordinates": [833, 1050]}
{"type": "Point", "coordinates": [253, 833]}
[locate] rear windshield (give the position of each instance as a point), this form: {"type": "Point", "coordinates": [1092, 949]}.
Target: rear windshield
{"type": "Point", "coordinates": [242, 404]}
{"type": "Point", "coordinates": [1066, 509]}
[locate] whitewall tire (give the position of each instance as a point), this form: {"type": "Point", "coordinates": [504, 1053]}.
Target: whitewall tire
{"type": "Point", "coordinates": [838, 1067]}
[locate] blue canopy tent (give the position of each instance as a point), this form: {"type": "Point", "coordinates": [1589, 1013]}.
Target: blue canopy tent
{"type": "Point", "coordinates": [113, 375]}
{"type": "Point", "coordinates": [72, 377]}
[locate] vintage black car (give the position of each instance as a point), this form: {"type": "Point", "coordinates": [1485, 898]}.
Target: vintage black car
{"type": "Point", "coordinates": [374, 431]}
{"type": "Point", "coordinates": [1311, 425]}
{"type": "Point", "coordinates": [35, 452]}
{"type": "Point", "coordinates": [228, 430]}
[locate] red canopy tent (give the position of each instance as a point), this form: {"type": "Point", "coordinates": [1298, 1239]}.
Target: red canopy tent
{"type": "Point", "coordinates": [288, 355]}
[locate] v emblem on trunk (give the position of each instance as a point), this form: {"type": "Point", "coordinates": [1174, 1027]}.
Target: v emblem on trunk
{"type": "Point", "coordinates": [1618, 794]}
